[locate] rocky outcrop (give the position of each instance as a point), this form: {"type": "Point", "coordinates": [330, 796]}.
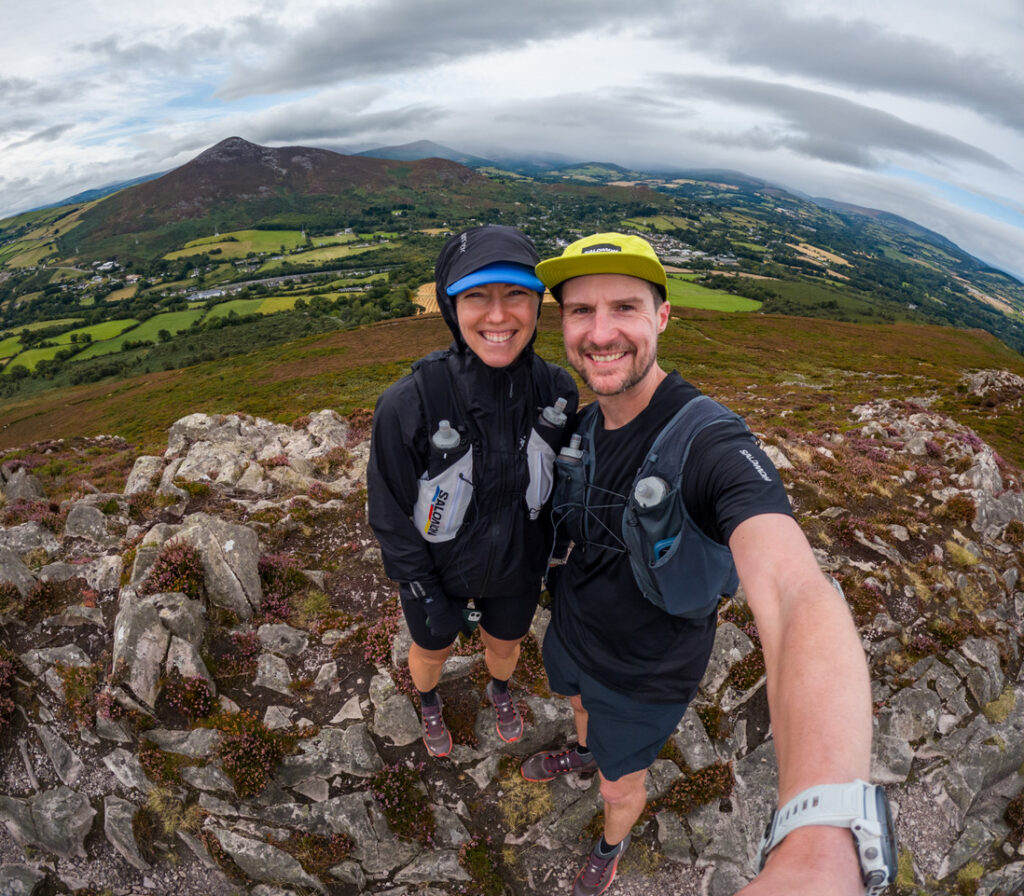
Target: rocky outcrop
{"type": "Point", "coordinates": [934, 581]}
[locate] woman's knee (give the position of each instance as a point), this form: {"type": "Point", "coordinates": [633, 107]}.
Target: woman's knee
{"type": "Point", "coordinates": [428, 657]}
{"type": "Point", "coordinates": [500, 648]}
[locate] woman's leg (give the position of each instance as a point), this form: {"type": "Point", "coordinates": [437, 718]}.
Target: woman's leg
{"type": "Point", "coordinates": [425, 666]}
{"type": "Point", "coordinates": [500, 656]}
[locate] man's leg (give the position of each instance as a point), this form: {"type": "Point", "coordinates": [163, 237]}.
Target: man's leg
{"type": "Point", "coordinates": [579, 717]}
{"type": "Point", "coordinates": [624, 801]}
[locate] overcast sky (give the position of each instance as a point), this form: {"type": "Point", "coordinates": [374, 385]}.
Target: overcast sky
{"type": "Point", "coordinates": [911, 106]}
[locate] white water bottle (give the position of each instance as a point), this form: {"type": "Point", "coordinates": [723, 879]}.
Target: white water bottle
{"type": "Point", "coordinates": [650, 491]}
{"type": "Point", "coordinates": [446, 438]}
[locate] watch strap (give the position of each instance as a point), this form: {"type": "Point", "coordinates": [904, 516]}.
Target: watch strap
{"type": "Point", "coordinates": [833, 805]}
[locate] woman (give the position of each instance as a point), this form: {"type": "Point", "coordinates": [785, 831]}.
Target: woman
{"type": "Point", "coordinates": [460, 469]}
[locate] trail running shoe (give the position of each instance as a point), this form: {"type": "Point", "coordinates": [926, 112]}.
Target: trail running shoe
{"type": "Point", "coordinates": [549, 765]}
{"type": "Point", "coordinates": [510, 722]}
{"type": "Point", "coordinates": [599, 872]}
{"type": "Point", "coordinates": [436, 736]}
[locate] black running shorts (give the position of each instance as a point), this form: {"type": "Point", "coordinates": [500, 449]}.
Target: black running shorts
{"type": "Point", "coordinates": [505, 618]}
{"type": "Point", "coordinates": [623, 734]}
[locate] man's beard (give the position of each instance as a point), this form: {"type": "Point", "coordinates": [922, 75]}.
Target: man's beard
{"type": "Point", "coordinates": [634, 376]}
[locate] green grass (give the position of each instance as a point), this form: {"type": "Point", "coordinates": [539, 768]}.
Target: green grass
{"type": "Point", "coordinates": [9, 347]}
{"type": "Point", "coordinates": [32, 357]}
{"type": "Point", "coordinates": [242, 243]}
{"type": "Point", "coordinates": [689, 295]}
{"type": "Point", "coordinates": [43, 324]}
{"type": "Point", "coordinates": [106, 330]}
{"type": "Point", "coordinates": [172, 321]}
{"type": "Point", "coordinates": [270, 305]}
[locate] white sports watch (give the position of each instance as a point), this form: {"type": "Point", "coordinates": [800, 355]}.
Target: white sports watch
{"type": "Point", "coordinates": [861, 807]}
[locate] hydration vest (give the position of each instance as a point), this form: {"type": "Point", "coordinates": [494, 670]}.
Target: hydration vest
{"type": "Point", "coordinates": [446, 486]}
{"type": "Point", "coordinates": [675, 564]}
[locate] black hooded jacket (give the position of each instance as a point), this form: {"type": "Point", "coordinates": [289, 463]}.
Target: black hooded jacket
{"type": "Point", "coordinates": [498, 551]}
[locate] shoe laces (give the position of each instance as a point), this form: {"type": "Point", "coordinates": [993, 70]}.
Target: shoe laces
{"type": "Point", "coordinates": [558, 762]}
{"type": "Point", "coordinates": [433, 721]}
{"type": "Point", "coordinates": [503, 705]}
{"type": "Point", "coordinates": [596, 868]}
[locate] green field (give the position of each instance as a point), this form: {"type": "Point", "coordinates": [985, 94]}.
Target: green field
{"type": "Point", "coordinates": [9, 346]}
{"type": "Point", "coordinates": [32, 357]}
{"type": "Point", "coordinates": [241, 242]}
{"type": "Point", "coordinates": [269, 305]}
{"type": "Point", "coordinates": [106, 330]}
{"type": "Point", "coordinates": [172, 321]}
{"type": "Point", "coordinates": [689, 295]}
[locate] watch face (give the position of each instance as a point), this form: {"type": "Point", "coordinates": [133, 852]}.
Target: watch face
{"type": "Point", "coordinates": [888, 831]}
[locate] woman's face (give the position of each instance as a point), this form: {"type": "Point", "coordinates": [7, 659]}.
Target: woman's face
{"type": "Point", "coordinates": [497, 320]}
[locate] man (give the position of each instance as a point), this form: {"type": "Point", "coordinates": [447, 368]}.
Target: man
{"type": "Point", "coordinates": [629, 667]}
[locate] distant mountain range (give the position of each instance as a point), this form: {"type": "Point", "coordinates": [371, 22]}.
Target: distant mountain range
{"type": "Point", "coordinates": [815, 257]}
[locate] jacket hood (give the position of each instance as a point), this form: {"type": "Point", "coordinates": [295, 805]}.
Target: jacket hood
{"type": "Point", "coordinates": [471, 250]}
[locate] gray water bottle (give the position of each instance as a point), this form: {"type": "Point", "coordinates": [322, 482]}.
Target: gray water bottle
{"type": "Point", "coordinates": [572, 452]}
{"type": "Point", "coordinates": [446, 438]}
{"type": "Point", "coordinates": [650, 491]}
{"type": "Point", "coordinates": [555, 415]}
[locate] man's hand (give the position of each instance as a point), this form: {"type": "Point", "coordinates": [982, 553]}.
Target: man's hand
{"type": "Point", "coordinates": [811, 861]}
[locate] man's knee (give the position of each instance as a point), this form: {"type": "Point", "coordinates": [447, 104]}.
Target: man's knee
{"type": "Point", "coordinates": [629, 789]}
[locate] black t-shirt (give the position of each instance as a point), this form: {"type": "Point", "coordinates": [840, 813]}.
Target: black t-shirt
{"type": "Point", "coordinates": [606, 624]}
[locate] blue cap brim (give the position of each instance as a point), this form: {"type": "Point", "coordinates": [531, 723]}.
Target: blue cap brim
{"type": "Point", "coordinates": [498, 273]}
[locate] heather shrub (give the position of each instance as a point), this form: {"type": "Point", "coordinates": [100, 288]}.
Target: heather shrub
{"type": "Point", "coordinates": [960, 509]}
{"type": "Point", "coordinates": [282, 580]}
{"type": "Point", "coordinates": [1015, 817]}
{"type": "Point", "coordinates": [10, 598]}
{"type": "Point", "coordinates": [249, 750]}
{"type": "Point", "coordinates": [162, 767]}
{"type": "Point", "coordinates": [8, 671]}
{"type": "Point", "coordinates": [178, 567]}
{"type": "Point", "coordinates": [48, 597]}
{"type": "Point", "coordinates": [24, 510]}
{"type": "Point", "coordinates": [1014, 532]}
{"type": "Point", "coordinates": [189, 697]}
{"type": "Point", "coordinates": [482, 860]}
{"type": "Point", "coordinates": [698, 788]}
{"type": "Point", "coordinates": [748, 671]}
{"type": "Point", "coordinates": [80, 685]}
{"type": "Point", "coordinates": [315, 852]}
{"type": "Point", "coordinates": [398, 790]}
{"type": "Point", "coordinates": [236, 655]}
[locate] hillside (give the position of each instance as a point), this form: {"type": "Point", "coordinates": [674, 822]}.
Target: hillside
{"type": "Point", "coordinates": [253, 246]}
{"type": "Point", "coordinates": [202, 672]}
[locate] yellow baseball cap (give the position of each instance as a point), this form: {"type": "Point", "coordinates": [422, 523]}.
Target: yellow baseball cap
{"type": "Point", "coordinates": [604, 253]}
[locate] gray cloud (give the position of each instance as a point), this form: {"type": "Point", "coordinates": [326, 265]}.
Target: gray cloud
{"type": "Point", "coordinates": [858, 54]}
{"type": "Point", "coordinates": [47, 135]}
{"type": "Point", "coordinates": [179, 53]}
{"type": "Point", "coordinates": [394, 36]}
{"type": "Point", "coordinates": [828, 127]}
{"type": "Point", "coordinates": [22, 92]}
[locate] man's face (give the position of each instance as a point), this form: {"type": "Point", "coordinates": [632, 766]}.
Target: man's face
{"type": "Point", "coordinates": [497, 320]}
{"type": "Point", "coordinates": [610, 326]}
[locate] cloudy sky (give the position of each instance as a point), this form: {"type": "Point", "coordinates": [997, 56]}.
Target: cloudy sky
{"type": "Point", "coordinates": [912, 106]}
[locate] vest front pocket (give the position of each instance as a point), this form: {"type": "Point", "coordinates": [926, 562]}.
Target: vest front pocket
{"type": "Point", "coordinates": [443, 500]}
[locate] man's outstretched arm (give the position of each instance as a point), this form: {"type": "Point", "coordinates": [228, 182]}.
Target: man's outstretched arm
{"type": "Point", "coordinates": [819, 696]}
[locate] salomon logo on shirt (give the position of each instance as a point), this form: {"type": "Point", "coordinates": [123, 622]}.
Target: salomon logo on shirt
{"type": "Point", "coordinates": [754, 463]}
